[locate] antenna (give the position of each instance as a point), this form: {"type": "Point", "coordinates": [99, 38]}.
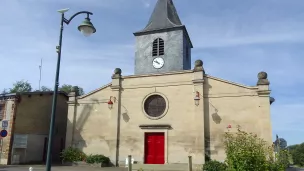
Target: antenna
{"type": "Point", "coordinates": [40, 68]}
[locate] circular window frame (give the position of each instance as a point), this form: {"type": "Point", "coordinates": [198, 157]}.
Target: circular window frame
{"type": "Point", "coordinates": [165, 111]}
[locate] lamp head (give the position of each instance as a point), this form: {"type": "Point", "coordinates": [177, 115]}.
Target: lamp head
{"type": "Point", "coordinates": [86, 27]}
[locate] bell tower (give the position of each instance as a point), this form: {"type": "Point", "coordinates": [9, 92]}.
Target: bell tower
{"type": "Point", "coordinates": [164, 44]}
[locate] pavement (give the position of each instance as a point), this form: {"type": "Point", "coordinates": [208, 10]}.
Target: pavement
{"type": "Point", "coordinates": [83, 168]}
{"type": "Point", "coordinates": [61, 168]}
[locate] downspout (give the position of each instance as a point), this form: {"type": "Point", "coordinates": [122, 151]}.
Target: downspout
{"type": "Point", "coordinates": [118, 127]}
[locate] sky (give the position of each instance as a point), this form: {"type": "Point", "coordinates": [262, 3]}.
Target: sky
{"type": "Point", "coordinates": [236, 39]}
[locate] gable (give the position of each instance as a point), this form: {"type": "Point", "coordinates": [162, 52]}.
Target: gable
{"type": "Point", "coordinates": [215, 86]}
{"type": "Point", "coordinates": [104, 92]}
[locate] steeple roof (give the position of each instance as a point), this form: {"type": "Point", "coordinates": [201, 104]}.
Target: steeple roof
{"type": "Point", "coordinates": [164, 16]}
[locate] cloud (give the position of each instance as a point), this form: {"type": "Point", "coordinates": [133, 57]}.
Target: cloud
{"type": "Point", "coordinates": [146, 3]}
{"type": "Point", "coordinates": [287, 121]}
{"type": "Point", "coordinates": [81, 57]}
{"type": "Point", "coordinates": [252, 40]}
{"type": "Point", "coordinates": [234, 41]}
{"type": "Point", "coordinates": [288, 116]}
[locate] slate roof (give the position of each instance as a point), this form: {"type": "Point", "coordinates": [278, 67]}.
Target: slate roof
{"type": "Point", "coordinates": [164, 16]}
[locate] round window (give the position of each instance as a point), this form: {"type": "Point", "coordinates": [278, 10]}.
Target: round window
{"type": "Point", "coordinates": [155, 106]}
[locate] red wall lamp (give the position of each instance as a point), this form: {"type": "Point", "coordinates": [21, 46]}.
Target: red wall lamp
{"type": "Point", "coordinates": [197, 98]}
{"type": "Point", "coordinates": [111, 101]}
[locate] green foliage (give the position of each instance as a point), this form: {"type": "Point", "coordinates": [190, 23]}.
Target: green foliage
{"type": "Point", "coordinates": [71, 154]}
{"type": "Point", "coordinates": [21, 86]}
{"type": "Point", "coordinates": [283, 158]}
{"type": "Point", "coordinates": [97, 158]}
{"type": "Point", "coordinates": [4, 91]}
{"type": "Point", "coordinates": [44, 88]}
{"type": "Point", "coordinates": [214, 165]}
{"type": "Point", "coordinates": [245, 151]}
{"type": "Point", "coordinates": [68, 88]}
{"type": "Point", "coordinates": [25, 86]}
{"type": "Point", "coordinates": [297, 153]}
{"type": "Point", "coordinates": [274, 166]}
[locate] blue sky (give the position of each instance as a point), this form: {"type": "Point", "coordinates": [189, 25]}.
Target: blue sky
{"type": "Point", "coordinates": [236, 39]}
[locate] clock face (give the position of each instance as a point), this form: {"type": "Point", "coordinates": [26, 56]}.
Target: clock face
{"type": "Point", "coordinates": [158, 62]}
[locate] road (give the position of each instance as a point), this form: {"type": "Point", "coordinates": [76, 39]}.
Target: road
{"type": "Point", "coordinates": [295, 169]}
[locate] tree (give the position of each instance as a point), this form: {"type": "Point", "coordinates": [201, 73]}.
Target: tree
{"type": "Point", "coordinates": [21, 86]}
{"type": "Point", "coordinates": [4, 91]}
{"type": "Point", "coordinates": [68, 88]}
{"type": "Point", "coordinates": [44, 88]}
{"type": "Point", "coordinates": [246, 151]}
{"type": "Point", "coordinates": [297, 153]}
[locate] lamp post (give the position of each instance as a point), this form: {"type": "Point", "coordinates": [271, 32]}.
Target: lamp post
{"type": "Point", "coordinates": [87, 28]}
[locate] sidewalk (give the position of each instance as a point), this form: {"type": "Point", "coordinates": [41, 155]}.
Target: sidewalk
{"type": "Point", "coordinates": [60, 168]}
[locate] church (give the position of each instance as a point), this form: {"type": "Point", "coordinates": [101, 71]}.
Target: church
{"type": "Point", "coordinates": [170, 108]}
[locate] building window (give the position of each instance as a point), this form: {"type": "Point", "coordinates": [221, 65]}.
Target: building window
{"type": "Point", "coordinates": [158, 47]}
{"type": "Point", "coordinates": [2, 111]}
{"type": "Point", "coordinates": [155, 106]}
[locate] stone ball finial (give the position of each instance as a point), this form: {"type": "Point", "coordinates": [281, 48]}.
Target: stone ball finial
{"type": "Point", "coordinates": [262, 75]}
{"type": "Point", "coordinates": [198, 63]}
{"type": "Point", "coordinates": [262, 78]}
{"type": "Point", "coordinates": [198, 66]}
{"type": "Point", "coordinates": [117, 71]}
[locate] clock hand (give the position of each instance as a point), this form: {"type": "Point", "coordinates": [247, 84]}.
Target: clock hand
{"type": "Point", "coordinates": [157, 62]}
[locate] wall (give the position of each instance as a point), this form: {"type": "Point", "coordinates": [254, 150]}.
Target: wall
{"type": "Point", "coordinates": [187, 59]}
{"type": "Point", "coordinates": [230, 103]}
{"type": "Point", "coordinates": [96, 125]}
{"type": "Point", "coordinates": [8, 115]}
{"type": "Point", "coordinates": [33, 119]}
{"type": "Point", "coordinates": [186, 136]}
{"type": "Point", "coordinates": [174, 57]}
{"type": "Point", "coordinates": [90, 127]}
{"type": "Point", "coordinates": [222, 103]}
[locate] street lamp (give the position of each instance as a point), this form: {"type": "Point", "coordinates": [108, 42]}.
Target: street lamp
{"type": "Point", "coordinates": [87, 28]}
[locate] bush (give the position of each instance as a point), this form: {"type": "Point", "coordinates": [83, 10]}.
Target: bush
{"type": "Point", "coordinates": [214, 165]}
{"type": "Point", "coordinates": [71, 154]}
{"type": "Point", "coordinates": [98, 158]}
{"type": "Point", "coordinates": [274, 166]}
{"type": "Point", "coordinates": [297, 152]}
{"type": "Point", "coordinates": [245, 151]}
{"type": "Point", "coordinates": [283, 158]}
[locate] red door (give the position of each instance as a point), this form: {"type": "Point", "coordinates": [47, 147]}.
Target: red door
{"type": "Point", "coordinates": [154, 148]}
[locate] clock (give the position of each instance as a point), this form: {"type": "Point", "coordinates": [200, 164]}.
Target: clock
{"type": "Point", "coordinates": [158, 62]}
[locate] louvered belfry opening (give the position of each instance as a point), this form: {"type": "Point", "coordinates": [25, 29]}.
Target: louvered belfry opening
{"type": "Point", "coordinates": [155, 105]}
{"type": "Point", "coordinates": [158, 47]}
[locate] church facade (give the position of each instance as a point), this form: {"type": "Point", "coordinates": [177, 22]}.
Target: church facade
{"type": "Point", "coordinates": [167, 110]}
